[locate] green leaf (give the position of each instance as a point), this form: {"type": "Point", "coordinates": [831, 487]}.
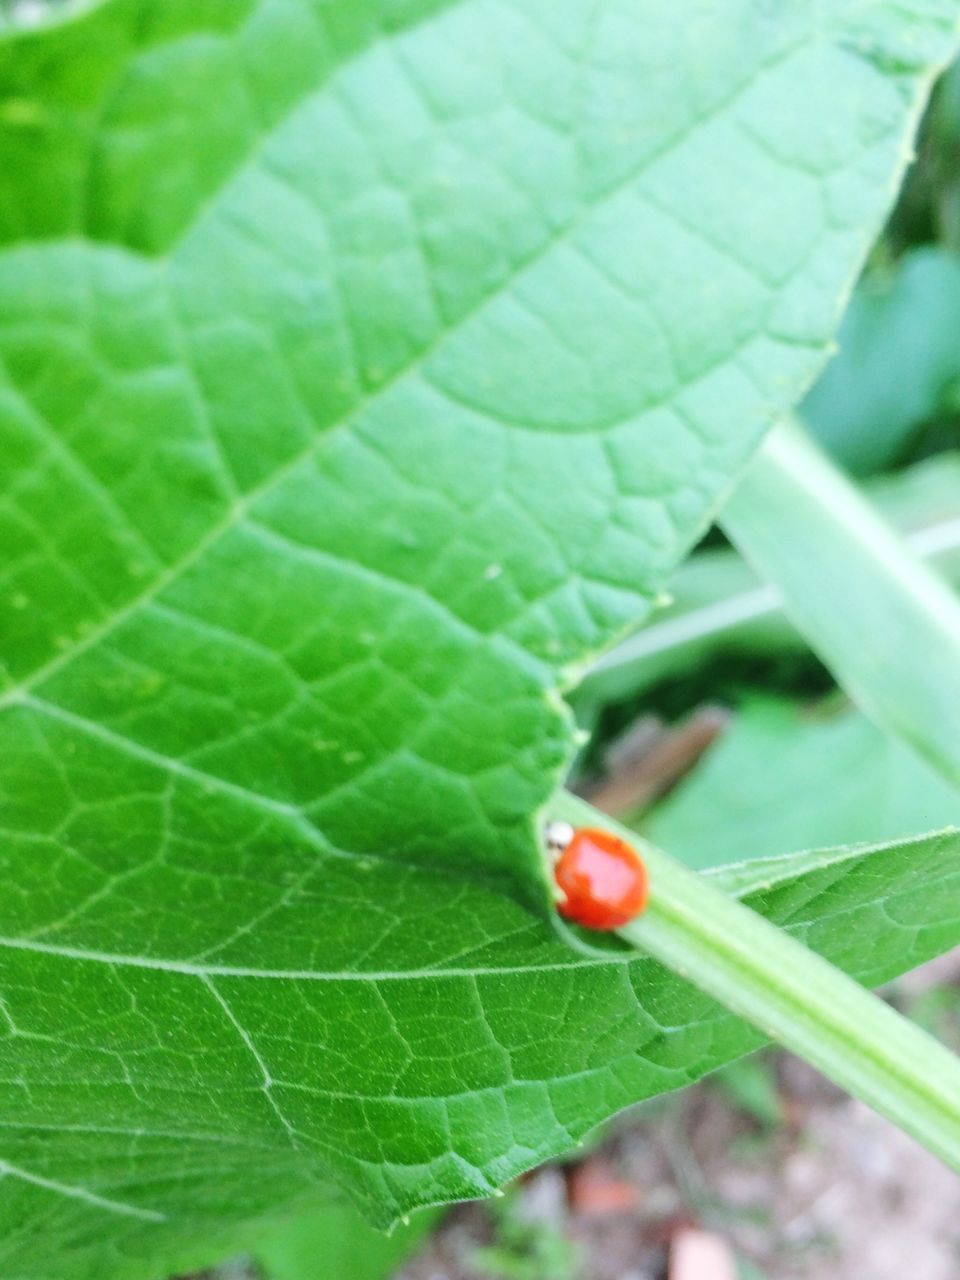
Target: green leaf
{"type": "Point", "coordinates": [747, 1271]}
{"type": "Point", "coordinates": [751, 1086]}
{"type": "Point", "coordinates": [600, 1031]}
{"type": "Point", "coordinates": [897, 365]}
{"type": "Point", "coordinates": [363, 368]}
{"type": "Point", "coordinates": [335, 1243]}
{"type": "Point", "coordinates": [754, 789]}
{"type": "Point", "coordinates": [886, 625]}
{"type": "Point", "coordinates": [718, 605]}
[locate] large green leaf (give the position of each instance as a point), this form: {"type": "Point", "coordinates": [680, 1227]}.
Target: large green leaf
{"type": "Point", "coordinates": [363, 367]}
{"type": "Point", "coordinates": [585, 1035]}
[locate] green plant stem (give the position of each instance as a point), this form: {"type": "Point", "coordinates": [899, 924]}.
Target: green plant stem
{"type": "Point", "coordinates": [794, 996]}
{"type": "Point", "coordinates": [885, 623]}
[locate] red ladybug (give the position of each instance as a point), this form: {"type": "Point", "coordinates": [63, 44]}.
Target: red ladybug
{"type": "Point", "coordinates": [603, 879]}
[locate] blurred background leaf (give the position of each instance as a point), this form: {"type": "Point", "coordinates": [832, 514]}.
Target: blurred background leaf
{"type": "Point", "coordinates": [783, 778]}
{"type": "Point", "coordinates": [897, 365]}
{"type": "Point", "coordinates": [334, 1243]}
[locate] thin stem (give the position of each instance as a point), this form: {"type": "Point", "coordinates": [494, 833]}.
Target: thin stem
{"type": "Point", "coordinates": [886, 625]}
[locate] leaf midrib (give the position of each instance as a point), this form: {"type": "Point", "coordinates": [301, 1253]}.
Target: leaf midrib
{"type": "Point", "coordinates": [777, 872]}
{"type": "Point", "coordinates": [205, 971]}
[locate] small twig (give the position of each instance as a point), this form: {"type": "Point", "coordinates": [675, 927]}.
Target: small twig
{"type": "Point", "coordinates": [648, 761]}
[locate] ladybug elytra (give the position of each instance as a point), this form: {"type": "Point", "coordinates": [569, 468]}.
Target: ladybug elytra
{"type": "Point", "coordinates": [603, 879]}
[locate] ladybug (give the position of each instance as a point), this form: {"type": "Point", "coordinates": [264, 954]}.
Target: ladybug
{"type": "Point", "coordinates": [602, 878]}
